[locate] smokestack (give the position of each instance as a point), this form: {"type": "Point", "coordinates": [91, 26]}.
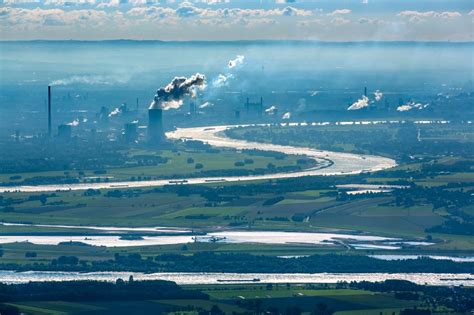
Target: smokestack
{"type": "Point", "coordinates": [49, 111]}
{"type": "Point", "coordinates": [365, 91]}
{"type": "Point", "coordinates": [155, 125]}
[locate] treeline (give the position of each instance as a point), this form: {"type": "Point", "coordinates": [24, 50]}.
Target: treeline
{"type": "Point", "coordinates": [459, 299]}
{"type": "Point", "coordinates": [246, 263]}
{"type": "Point", "coordinates": [96, 291]}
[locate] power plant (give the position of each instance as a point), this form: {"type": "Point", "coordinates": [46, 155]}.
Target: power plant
{"type": "Point", "coordinates": [155, 125]}
{"type": "Point", "coordinates": [256, 107]}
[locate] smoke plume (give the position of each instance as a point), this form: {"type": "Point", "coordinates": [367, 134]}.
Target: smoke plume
{"type": "Point", "coordinates": [378, 95]}
{"type": "Point", "coordinates": [171, 96]}
{"type": "Point", "coordinates": [206, 105]}
{"type": "Point", "coordinates": [90, 80]}
{"type": "Point", "coordinates": [361, 103]}
{"type": "Point", "coordinates": [221, 80]}
{"type": "Point", "coordinates": [116, 111]}
{"type": "Point", "coordinates": [74, 123]}
{"type": "Point", "coordinates": [236, 62]}
{"type": "Point", "coordinates": [271, 110]}
{"type": "Point", "coordinates": [224, 79]}
{"type": "Point", "coordinates": [410, 106]}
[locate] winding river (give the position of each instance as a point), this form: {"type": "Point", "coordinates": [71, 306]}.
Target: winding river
{"type": "Point", "coordinates": [329, 163]}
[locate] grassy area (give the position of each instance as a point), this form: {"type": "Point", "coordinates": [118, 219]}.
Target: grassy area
{"type": "Point", "coordinates": [179, 163]}
{"type": "Point", "coordinates": [238, 299]}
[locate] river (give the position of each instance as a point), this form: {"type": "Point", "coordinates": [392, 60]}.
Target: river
{"type": "Point", "coordinates": [340, 163]}
{"type": "Point", "coordinates": [184, 278]}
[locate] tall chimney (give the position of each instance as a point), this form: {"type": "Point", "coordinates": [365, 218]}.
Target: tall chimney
{"type": "Point", "coordinates": [365, 91]}
{"type": "Point", "coordinates": [49, 111]}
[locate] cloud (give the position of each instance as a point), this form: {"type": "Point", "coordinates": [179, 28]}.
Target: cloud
{"type": "Point", "coordinates": [339, 21]}
{"type": "Point", "coordinates": [360, 103]}
{"type": "Point", "coordinates": [286, 115]}
{"type": "Point", "coordinates": [339, 12]}
{"type": "Point", "coordinates": [421, 16]}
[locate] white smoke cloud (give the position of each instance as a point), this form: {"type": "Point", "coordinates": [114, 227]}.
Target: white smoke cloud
{"type": "Point", "coordinates": [74, 123]}
{"type": "Point", "coordinates": [286, 115]}
{"type": "Point", "coordinates": [116, 111]}
{"type": "Point", "coordinates": [206, 105]}
{"type": "Point", "coordinates": [271, 110]}
{"type": "Point", "coordinates": [378, 95]}
{"type": "Point", "coordinates": [411, 105]}
{"type": "Point", "coordinates": [171, 96]}
{"type": "Point", "coordinates": [222, 80]}
{"type": "Point", "coordinates": [90, 80]}
{"type": "Point", "coordinates": [236, 62]}
{"type": "Point", "coordinates": [360, 103]}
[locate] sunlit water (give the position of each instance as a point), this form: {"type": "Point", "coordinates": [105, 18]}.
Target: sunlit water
{"type": "Point", "coordinates": [213, 278]}
{"type": "Point", "coordinates": [342, 163]}
{"type": "Point", "coordinates": [256, 237]}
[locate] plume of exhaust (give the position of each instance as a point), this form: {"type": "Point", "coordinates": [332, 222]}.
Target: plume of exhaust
{"type": "Point", "coordinates": [236, 62]}
{"type": "Point", "coordinates": [360, 103]}
{"type": "Point", "coordinates": [378, 95]}
{"type": "Point", "coordinates": [74, 123]}
{"type": "Point", "coordinates": [286, 115]}
{"type": "Point", "coordinates": [271, 110]}
{"type": "Point", "coordinates": [224, 79]}
{"type": "Point", "coordinates": [90, 80]}
{"type": "Point", "coordinates": [115, 112]}
{"type": "Point", "coordinates": [221, 80]}
{"type": "Point", "coordinates": [410, 106]}
{"type": "Point", "coordinates": [171, 96]}
{"type": "Point", "coordinates": [205, 105]}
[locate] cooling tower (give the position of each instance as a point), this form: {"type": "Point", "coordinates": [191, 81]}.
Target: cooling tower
{"type": "Point", "coordinates": [155, 125]}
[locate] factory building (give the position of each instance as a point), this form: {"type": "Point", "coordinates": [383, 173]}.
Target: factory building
{"type": "Point", "coordinates": [130, 133]}
{"type": "Point", "coordinates": [254, 108]}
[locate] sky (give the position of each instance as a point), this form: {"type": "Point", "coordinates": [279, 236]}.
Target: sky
{"type": "Point", "coordinates": [216, 20]}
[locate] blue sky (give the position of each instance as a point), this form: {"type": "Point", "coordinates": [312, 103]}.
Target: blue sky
{"type": "Point", "coordinates": [327, 20]}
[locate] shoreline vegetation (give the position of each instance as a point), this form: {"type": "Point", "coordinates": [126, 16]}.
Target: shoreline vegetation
{"type": "Point", "coordinates": [246, 263]}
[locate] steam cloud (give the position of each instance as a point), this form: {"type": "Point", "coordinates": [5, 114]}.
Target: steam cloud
{"type": "Point", "coordinates": [286, 115]}
{"type": "Point", "coordinates": [222, 80]}
{"type": "Point", "coordinates": [271, 110]}
{"type": "Point", "coordinates": [90, 80]}
{"type": "Point", "coordinates": [360, 103]}
{"type": "Point", "coordinates": [206, 105]}
{"type": "Point", "coordinates": [236, 62]}
{"type": "Point", "coordinates": [172, 95]}
{"type": "Point", "coordinates": [378, 95]}
{"type": "Point", "coordinates": [116, 111]}
{"type": "Point", "coordinates": [74, 123]}
{"type": "Point", "coordinates": [410, 106]}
